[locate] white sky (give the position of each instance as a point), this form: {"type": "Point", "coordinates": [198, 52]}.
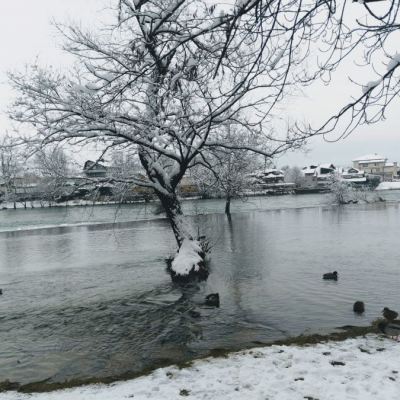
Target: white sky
{"type": "Point", "coordinates": [26, 33]}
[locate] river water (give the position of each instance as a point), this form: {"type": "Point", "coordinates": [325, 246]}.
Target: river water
{"type": "Point", "coordinates": [85, 292]}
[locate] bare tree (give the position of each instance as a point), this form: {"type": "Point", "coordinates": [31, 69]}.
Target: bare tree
{"type": "Point", "coordinates": [53, 166]}
{"type": "Point", "coordinates": [166, 76]}
{"type": "Point", "coordinates": [10, 168]}
{"type": "Point", "coordinates": [227, 172]}
{"type": "Point", "coordinates": [375, 34]}
{"type": "Point", "coordinates": [295, 175]}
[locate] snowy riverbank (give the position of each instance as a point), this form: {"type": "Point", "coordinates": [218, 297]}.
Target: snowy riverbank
{"type": "Point", "coordinates": [361, 368]}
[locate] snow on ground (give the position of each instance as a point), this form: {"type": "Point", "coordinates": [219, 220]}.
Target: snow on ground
{"type": "Point", "coordinates": [388, 186]}
{"type": "Point", "coordinates": [362, 368]}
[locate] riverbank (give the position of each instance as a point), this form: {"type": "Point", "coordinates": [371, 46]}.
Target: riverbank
{"type": "Point", "coordinates": [357, 368]}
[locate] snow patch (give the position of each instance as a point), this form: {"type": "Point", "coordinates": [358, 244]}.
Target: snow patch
{"type": "Point", "coordinates": [365, 368]}
{"type": "Point", "coordinates": [388, 186]}
{"type": "Point", "coordinates": [187, 258]}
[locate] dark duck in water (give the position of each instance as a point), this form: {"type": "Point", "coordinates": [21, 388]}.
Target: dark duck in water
{"type": "Point", "coordinates": [331, 276]}
{"type": "Point", "coordinates": [389, 314]}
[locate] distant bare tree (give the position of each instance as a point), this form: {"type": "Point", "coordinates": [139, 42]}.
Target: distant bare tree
{"type": "Point", "coordinates": [295, 175]}
{"type": "Point", "coordinates": [53, 166]}
{"type": "Point", "coordinates": [226, 171]}
{"type": "Point", "coordinates": [10, 168]}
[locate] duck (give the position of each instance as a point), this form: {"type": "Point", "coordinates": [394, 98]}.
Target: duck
{"type": "Point", "coordinates": [333, 276]}
{"type": "Point", "coordinates": [359, 307]}
{"type": "Point", "coordinates": [389, 314]}
{"type": "Point", "coordinates": [391, 329]}
{"type": "Point", "coordinates": [212, 300]}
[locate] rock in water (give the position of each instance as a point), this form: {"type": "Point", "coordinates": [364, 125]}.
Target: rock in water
{"type": "Point", "coordinates": [391, 329]}
{"type": "Point", "coordinates": [359, 307]}
{"type": "Point", "coordinates": [212, 300]}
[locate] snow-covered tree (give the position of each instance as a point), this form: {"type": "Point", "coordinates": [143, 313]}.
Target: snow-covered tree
{"type": "Point", "coordinates": [372, 41]}
{"type": "Point", "coordinates": [342, 191]}
{"type": "Point", "coordinates": [10, 168]}
{"type": "Point", "coordinates": [295, 175]}
{"type": "Point", "coordinates": [165, 77]}
{"type": "Point", "coordinates": [53, 166]}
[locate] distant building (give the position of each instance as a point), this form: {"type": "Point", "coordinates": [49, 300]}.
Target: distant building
{"type": "Point", "coordinates": [350, 173]}
{"type": "Point", "coordinates": [93, 169]}
{"type": "Point", "coordinates": [309, 172]}
{"type": "Point", "coordinates": [320, 172]}
{"type": "Point", "coordinates": [270, 181]}
{"type": "Point", "coordinates": [324, 171]}
{"type": "Point", "coordinates": [377, 164]}
{"type": "Point", "coordinates": [353, 175]}
{"type": "Point", "coordinates": [272, 175]}
{"type": "Point", "coordinates": [267, 176]}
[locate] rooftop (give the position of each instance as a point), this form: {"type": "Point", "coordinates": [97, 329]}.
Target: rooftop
{"type": "Point", "coordinates": [371, 157]}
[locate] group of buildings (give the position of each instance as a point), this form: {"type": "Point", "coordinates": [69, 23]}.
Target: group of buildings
{"type": "Point", "coordinates": [370, 169]}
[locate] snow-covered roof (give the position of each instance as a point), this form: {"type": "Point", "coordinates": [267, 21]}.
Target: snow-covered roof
{"type": "Point", "coordinates": [93, 166]}
{"type": "Point", "coordinates": [390, 164]}
{"type": "Point", "coordinates": [370, 157]}
{"type": "Point", "coordinates": [326, 165]}
{"type": "Point", "coordinates": [266, 172]}
{"type": "Point", "coordinates": [273, 171]}
{"type": "Point", "coordinates": [352, 171]}
{"type": "Point", "coordinates": [310, 167]}
{"type": "Point", "coordinates": [309, 170]}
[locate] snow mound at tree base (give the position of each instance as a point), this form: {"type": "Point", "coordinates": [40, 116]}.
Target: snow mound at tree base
{"type": "Point", "coordinates": [188, 264]}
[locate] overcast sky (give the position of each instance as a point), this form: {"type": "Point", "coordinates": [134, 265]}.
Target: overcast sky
{"type": "Point", "coordinates": [26, 32]}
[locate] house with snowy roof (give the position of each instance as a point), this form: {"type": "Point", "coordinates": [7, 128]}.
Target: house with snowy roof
{"type": "Point", "coordinates": [377, 164]}
{"type": "Point", "coordinates": [93, 169]}
{"type": "Point", "coordinates": [319, 172]}
{"type": "Point", "coordinates": [324, 171]}
{"type": "Point", "coordinates": [309, 171]}
{"type": "Point", "coordinates": [353, 175]}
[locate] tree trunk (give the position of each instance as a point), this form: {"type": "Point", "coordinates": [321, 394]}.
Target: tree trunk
{"type": "Point", "coordinates": [173, 211]}
{"type": "Point", "coordinates": [228, 206]}
{"type": "Point", "coordinates": [190, 271]}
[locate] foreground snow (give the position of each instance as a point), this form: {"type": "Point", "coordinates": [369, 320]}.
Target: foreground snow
{"type": "Point", "coordinates": [367, 368]}
{"type": "Point", "coordinates": [388, 186]}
